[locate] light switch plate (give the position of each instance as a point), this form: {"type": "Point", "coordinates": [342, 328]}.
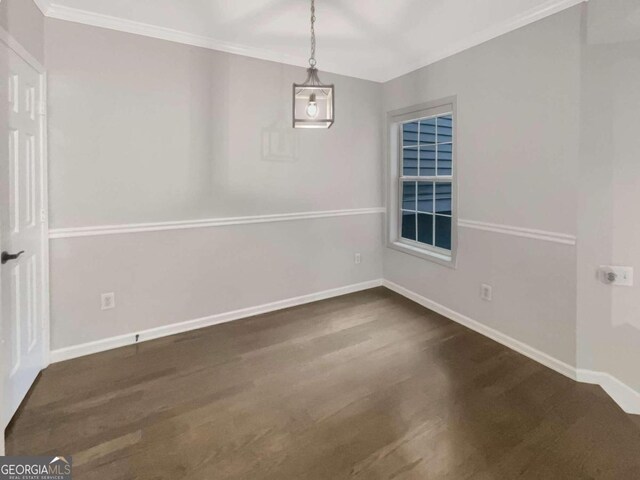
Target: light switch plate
{"type": "Point", "coordinates": [618, 276]}
{"type": "Point", "coordinates": [486, 292]}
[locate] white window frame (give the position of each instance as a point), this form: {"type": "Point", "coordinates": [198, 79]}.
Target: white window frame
{"type": "Point", "coordinates": [395, 119]}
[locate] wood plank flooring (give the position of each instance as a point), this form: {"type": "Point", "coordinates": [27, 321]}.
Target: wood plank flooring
{"type": "Point", "coordinates": [366, 386]}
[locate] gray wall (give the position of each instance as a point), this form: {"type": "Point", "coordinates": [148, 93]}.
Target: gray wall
{"type": "Point", "coordinates": [167, 277]}
{"type": "Point", "coordinates": [609, 230]}
{"type": "Point", "coordinates": [548, 139]}
{"type": "Point", "coordinates": [25, 22]}
{"type": "Point", "coordinates": [147, 130]}
{"type": "Point", "coordinates": [518, 132]}
{"type": "Point", "coordinates": [143, 130]}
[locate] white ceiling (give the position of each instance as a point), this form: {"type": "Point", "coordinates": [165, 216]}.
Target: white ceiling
{"type": "Point", "coordinates": [372, 39]}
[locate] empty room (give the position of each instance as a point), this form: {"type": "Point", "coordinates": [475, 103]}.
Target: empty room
{"type": "Point", "coordinates": [320, 239]}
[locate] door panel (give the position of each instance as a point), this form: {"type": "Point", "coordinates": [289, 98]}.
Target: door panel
{"type": "Point", "coordinates": [16, 324]}
{"type": "Point", "coordinates": [14, 160]}
{"type": "Point", "coordinates": [22, 281]}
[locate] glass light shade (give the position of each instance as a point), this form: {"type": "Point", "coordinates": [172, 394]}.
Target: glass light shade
{"type": "Point", "coordinates": [313, 103]}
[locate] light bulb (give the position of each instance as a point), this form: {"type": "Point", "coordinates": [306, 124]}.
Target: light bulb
{"type": "Point", "coordinates": [312, 106]}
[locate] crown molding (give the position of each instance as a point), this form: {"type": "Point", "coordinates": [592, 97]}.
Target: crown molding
{"type": "Point", "coordinates": [13, 44]}
{"type": "Point", "coordinates": [43, 5]}
{"type": "Point", "coordinates": [76, 15]}
{"type": "Point", "coordinates": [61, 12]}
{"type": "Point", "coordinates": [551, 7]}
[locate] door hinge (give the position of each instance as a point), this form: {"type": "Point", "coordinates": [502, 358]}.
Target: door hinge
{"type": "Point", "coordinates": [43, 216]}
{"type": "Point", "coordinates": [42, 109]}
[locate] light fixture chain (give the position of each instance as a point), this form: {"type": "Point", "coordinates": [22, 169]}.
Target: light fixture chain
{"type": "Point", "coordinates": [312, 60]}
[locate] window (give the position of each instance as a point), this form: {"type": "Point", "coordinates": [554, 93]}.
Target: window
{"type": "Point", "coordinates": [424, 182]}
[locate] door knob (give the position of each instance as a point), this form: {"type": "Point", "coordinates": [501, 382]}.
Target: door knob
{"type": "Point", "coordinates": [6, 256]}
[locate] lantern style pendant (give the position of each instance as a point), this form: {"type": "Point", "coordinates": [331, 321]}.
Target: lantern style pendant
{"type": "Point", "coordinates": [313, 102]}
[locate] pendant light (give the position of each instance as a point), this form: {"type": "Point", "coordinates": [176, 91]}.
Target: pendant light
{"type": "Point", "coordinates": [313, 102]}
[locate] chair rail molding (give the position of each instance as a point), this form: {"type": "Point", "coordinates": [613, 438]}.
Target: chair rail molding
{"type": "Point", "coordinates": [544, 235]}
{"type": "Point", "coordinates": [206, 223]}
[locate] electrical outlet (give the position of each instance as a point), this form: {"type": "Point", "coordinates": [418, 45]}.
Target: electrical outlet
{"type": "Point", "coordinates": [486, 292]}
{"type": "Point", "coordinates": [357, 259]}
{"type": "Point", "coordinates": [108, 301]}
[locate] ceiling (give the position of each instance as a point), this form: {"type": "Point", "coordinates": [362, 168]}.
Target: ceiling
{"type": "Point", "coordinates": [371, 39]}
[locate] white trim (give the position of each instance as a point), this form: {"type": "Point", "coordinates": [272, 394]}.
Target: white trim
{"type": "Point", "coordinates": [512, 343]}
{"type": "Point", "coordinates": [43, 5]}
{"type": "Point", "coordinates": [22, 52]}
{"type": "Point", "coordinates": [153, 333]}
{"type": "Point", "coordinates": [404, 246]}
{"type": "Point", "coordinates": [394, 179]}
{"type": "Point", "coordinates": [13, 44]}
{"type": "Point", "coordinates": [627, 398]}
{"type": "Point", "coordinates": [205, 223]}
{"type": "Point", "coordinates": [62, 12]}
{"type": "Point", "coordinates": [86, 17]}
{"type": "Point", "coordinates": [547, 9]}
{"type": "Point", "coordinates": [43, 216]}
{"type": "Point", "coordinates": [554, 237]}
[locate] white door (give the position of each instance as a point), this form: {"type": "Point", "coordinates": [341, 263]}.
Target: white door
{"type": "Point", "coordinates": [23, 283]}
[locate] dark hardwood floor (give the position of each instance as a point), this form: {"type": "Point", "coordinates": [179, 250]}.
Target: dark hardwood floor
{"type": "Point", "coordinates": [366, 386]}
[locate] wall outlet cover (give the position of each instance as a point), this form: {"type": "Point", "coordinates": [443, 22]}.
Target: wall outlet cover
{"type": "Point", "coordinates": [108, 301]}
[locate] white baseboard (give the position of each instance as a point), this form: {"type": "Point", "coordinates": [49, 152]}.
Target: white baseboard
{"type": "Point", "coordinates": [476, 326]}
{"type": "Point", "coordinates": [75, 351]}
{"type": "Point", "coordinates": [627, 398]}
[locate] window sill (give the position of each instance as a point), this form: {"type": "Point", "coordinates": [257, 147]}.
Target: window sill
{"type": "Point", "coordinates": [442, 259]}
